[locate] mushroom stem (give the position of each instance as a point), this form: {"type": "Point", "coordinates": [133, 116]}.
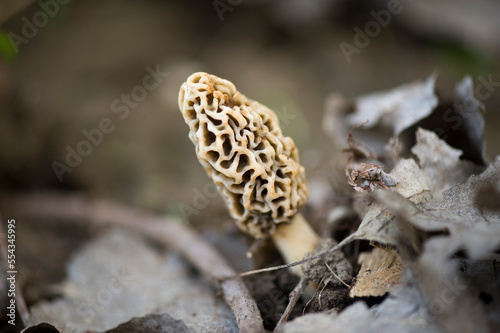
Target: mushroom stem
{"type": "Point", "coordinates": [294, 240]}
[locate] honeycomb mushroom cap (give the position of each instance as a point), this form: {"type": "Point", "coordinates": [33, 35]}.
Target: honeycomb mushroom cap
{"type": "Point", "coordinates": [239, 143]}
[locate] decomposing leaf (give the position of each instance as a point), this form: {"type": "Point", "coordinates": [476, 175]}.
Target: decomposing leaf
{"type": "Point", "coordinates": [380, 225]}
{"type": "Point", "coordinates": [458, 209]}
{"type": "Point", "coordinates": [406, 304]}
{"type": "Point", "coordinates": [437, 294]}
{"type": "Point", "coordinates": [473, 230]}
{"type": "Point", "coordinates": [458, 301]}
{"type": "Point", "coordinates": [398, 217]}
{"type": "Point", "coordinates": [441, 163]}
{"type": "Point", "coordinates": [379, 273]}
{"type": "Point", "coordinates": [393, 118]}
{"type": "Point", "coordinates": [359, 318]}
{"type": "Point", "coordinates": [399, 108]}
{"type": "Point", "coordinates": [388, 113]}
{"type": "Point", "coordinates": [444, 200]}
{"type": "Point", "coordinates": [118, 276]}
{"type": "Point", "coordinates": [426, 206]}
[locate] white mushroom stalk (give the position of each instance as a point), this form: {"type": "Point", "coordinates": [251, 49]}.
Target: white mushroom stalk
{"type": "Point", "coordinates": [256, 169]}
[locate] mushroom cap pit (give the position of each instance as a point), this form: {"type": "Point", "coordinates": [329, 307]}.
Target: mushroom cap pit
{"type": "Point", "coordinates": [240, 144]}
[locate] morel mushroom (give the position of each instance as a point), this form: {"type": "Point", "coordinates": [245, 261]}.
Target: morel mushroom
{"type": "Point", "coordinates": [256, 169]}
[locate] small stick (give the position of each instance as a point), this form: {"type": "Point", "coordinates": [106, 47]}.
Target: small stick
{"type": "Point", "coordinates": [294, 298]}
{"type": "Point", "coordinates": [321, 293]}
{"type": "Point", "coordinates": [338, 278]}
{"type": "Point", "coordinates": [300, 262]}
{"type": "Point", "coordinates": [171, 233]}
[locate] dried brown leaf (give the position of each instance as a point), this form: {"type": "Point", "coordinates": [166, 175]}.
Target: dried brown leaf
{"type": "Point", "coordinates": [380, 272]}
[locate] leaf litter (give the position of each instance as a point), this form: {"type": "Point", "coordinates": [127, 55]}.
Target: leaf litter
{"type": "Point", "coordinates": [118, 276]}
{"type": "Point", "coordinates": [427, 201]}
{"type": "Point", "coordinates": [437, 231]}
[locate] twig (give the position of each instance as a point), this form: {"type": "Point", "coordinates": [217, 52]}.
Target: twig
{"type": "Point", "coordinates": [338, 278]}
{"type": "Point", "coordinates": [171, 233]}
{"type": "Point", "coordinates": [311, 299]}
{"type": "Point", "coordinates": [294, 298]}
{"type": "Point", "coordinates": [300, 262]}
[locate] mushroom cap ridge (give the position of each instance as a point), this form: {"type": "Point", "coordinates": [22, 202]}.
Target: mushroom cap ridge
{"type": "Point", "coordinates": [240, 144]}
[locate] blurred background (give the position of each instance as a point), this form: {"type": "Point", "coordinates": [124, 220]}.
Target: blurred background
{"type": "Point", "coordinates": [88, 89]}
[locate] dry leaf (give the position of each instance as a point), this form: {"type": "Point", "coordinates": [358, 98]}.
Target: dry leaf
{"type": "Point", "coordinates": [441, 163]}
{"type": "Point", "coordinates": [458, 210]}
{"type": "Point", "coordinates": [357, 318]}
{"type": "Point", "coordinates": [380, 225]}
{"type": "Point", "coordinates": [379, 273]}
{"type": "Point", "coordinates": [393, 117]}
{"type": "Point", "coordinates": [427, 207]}
{"type": "Point", "coordinates": [443, 216]}
{"type": "Point", "coordinates": [118, 276]}
{"type": "Point", "coordinates": [398, 108]}
{"type": "Point", "coordinates": [388, 113]}
{"type": "Point", "coordinates": [459, 301]}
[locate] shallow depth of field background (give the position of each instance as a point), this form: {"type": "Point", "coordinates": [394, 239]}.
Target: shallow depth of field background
{"type": "Point", "coordinates": [285, 54]}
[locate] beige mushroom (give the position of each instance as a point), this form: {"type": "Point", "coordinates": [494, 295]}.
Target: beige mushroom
{"type": "Point", "coordinates": [256, 169]}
